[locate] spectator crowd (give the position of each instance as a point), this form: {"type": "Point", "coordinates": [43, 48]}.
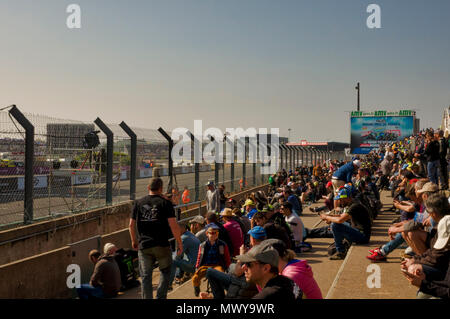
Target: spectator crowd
{"type": "Point", "coordinates": [252, 248]}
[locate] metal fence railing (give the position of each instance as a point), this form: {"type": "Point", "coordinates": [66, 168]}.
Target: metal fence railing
{"type": "Point", "coordinates": [51, 167]}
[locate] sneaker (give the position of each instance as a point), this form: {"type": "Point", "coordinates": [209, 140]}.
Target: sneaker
{"type": "Point", "coordinates": [170, 288]}
{"type": "Point", "coordinates": [197, 291]}
{"type": "Point", "coordinates": [377, 256]}
{"type": "Point", "coordinates": [373, 251]}
{"type": "Point", "coordinates": [338, 256]}
{"type": "Point", "coordinates": [312, 210]}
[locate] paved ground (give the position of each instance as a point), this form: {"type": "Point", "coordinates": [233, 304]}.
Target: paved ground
{"type": "Point", "coordinates": [345, 279]}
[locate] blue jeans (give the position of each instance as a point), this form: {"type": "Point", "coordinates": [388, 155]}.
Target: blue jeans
{"type": "Point", "coordinates": [147, 259]}
{"type": "Point", "coordinates": [87, 291]}
{"type": "Point", "coordinates": [433, 171]}
{"type": "Point", "coordinates": [218, 281]}
{"type": "Point", "coordinates": [344, 230]}
{"type": "Point", "coordinates": [179, 265]}
{"type": "Point", "coordinates": [393, 244]}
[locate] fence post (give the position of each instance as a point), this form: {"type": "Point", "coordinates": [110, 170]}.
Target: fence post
{"type": "Point", "coordinates": [216, 165]}
{"type": "Point", "coordinates": [133, 141]}
{"type": "Point", "coordinates": [170, 141]}
{"type": "Point", "coordinates": [232, 155]}
{"type": "Point", "coordinates": [254, 159]}
{"type": "Point", "coordinates": [109, 158]}
{"type": "Point", "coordinates": [29, 163]}
{"type": "Point", "coordinates": [196, 167]}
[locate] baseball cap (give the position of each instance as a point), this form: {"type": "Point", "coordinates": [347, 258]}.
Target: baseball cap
{"type": "Point", "coordinates": [263, 253]}
{"type": "Point", "coordinates": [210, 183]}
{"type": "Point", "coordinates": [257, 232]}
{"type": "Point", "coordinates": [249, 202]}
{"type": "Point", "coordinates": [212, 226]}
{"type": "Point", "coordinates": [429, 187]}
{"type": "Point", "coordinates": [357, 163]}
{"type": "Point", "coordinates": [329, 184]}
{"type": "Point", "coordinates": [198, 219]}
{"type": "Point", "coordinates": [443, 230]}
{"type": "Point", "coordinates": [290, 184]}
{"type": "Point", "coordinates": [342, 193]}
{"type": "Point", "coordinates": [405, 166]}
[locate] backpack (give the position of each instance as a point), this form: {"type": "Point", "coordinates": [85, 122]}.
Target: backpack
{"type": "Point", "coordinates": [125, 261]}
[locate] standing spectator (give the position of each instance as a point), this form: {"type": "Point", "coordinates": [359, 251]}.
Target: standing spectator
{"type": "Point", "coordinates": [151, 224]}
{"type": "Point", "coordinates": [344, 175]}
{"type": "Point", "coordinates": [212, 198]}
{"type": "Point", "coordinates": [105, 280]}
{"type": "Point", "coordinates": [432, 156]}
{"type": "Point", "coordinates": [185, 196]}
{"type": "Point", "coordinates": [234, 231]}
{"type": "Point", "coordinates": [222, 197]}
{"type": "Point", "coordinates": [443, 149]}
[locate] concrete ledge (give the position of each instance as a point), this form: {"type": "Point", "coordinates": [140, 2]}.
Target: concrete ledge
{"type": "Point", "coordinates": [39, 277]}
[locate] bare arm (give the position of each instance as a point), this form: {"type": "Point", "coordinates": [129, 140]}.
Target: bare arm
{"type": "Point", "coordinates": [176, 233]}
{"type": "Point", "coordinates": [336, 219]}
{"type": "Point", "coordinates": [132, 229]}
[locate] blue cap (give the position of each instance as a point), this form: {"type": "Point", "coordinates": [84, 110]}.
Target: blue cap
{"type": "Point", "coordinates": [343, 193]}
{"type": "Point", "coordinates": [212, 226]}
{"type": "Point", "coordinates": [257, 232]}
{"type": "Point", "coordinates": [405, 166]}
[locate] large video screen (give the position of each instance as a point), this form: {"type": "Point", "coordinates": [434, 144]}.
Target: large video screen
{"type": "Point", "coordinates": [369, 132]}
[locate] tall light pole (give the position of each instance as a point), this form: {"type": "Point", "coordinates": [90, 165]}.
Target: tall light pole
{"type": "Point", "coordinates": [357, 89]}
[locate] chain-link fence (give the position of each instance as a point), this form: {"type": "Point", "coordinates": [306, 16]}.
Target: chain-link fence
{"type": "Point", "coordinates": [77, 166]}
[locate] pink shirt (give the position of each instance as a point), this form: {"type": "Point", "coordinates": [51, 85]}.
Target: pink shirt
{"type": "Point", "coordinates": [301, 273]}
{"type": "Point", "coordinates": [237, 238]}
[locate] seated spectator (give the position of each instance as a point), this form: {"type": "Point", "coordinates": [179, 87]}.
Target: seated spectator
{"type": "Point", "coordinates": [198, 228]}
{"type": "Point", "coordinates": [250, 208]}
{"type": "Point", "coordinates": [233, 282]}
{"type": "Point", "coordinates": [211, 218]}
{"type": "Point", "coordinates": [272, 230]}
{"type": "Point", "coordinates": [260, 266]}
{"type": "Point", "coordinates": [432, 265]}
{"type": "Point", "coordinates": [293, 199]}
{"type": "Point", "coordinates": [415, 234]}
{"type": "Point", "coordinates": [297, 270]}
{"type": "Point", "coordinates": [234, 230]}
{"type": "Point", "coordinates": [297, 227]}
{"type": "Point", "coordinates": [105, 281]}
{"type": "Point", "coordinates": [358, 231]}
{"type": "Point", "coordinates": [212, 253]}
{"type": "Point", "coordinates": [185, 263]}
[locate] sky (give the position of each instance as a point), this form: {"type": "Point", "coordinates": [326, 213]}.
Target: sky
{"type": "Point", "coordinates": [230, 63]}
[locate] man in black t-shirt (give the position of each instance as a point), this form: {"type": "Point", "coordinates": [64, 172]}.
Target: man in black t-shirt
{"type": "Point", "coordinates": [358, 231]}
{"type": "Point", "coordinates": [152, 224]}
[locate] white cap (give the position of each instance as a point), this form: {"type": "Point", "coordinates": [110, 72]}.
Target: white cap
{"type": "Point", "coordinates": [357, 163]}
{"type": "Point", "coordinates": [443, 230]}
{"type": "Point", "coordinates": [107, 248]}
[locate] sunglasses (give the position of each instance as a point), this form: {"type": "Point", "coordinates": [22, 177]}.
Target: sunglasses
{"type": "Point", "coordinates": [249, 264]}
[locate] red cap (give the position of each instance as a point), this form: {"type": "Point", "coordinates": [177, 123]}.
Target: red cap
{"type": "Point", "coordinates": [329, 184]}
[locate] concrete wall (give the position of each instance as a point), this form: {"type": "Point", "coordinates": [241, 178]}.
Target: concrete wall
{"type": "Point", "coordinates": [36, 257]}
{"type": "Point", "coordinates": [39, 277]}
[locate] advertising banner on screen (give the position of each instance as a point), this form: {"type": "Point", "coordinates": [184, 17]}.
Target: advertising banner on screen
{"type": "Point", "coordinates": [370, 131]}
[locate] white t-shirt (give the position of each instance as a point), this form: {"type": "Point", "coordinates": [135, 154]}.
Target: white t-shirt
{"type": "Point", "coordinates": [296, 225]}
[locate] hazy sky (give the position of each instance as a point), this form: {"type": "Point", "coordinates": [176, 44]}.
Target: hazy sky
{"type": "Point", "coordinates": [252, 63]}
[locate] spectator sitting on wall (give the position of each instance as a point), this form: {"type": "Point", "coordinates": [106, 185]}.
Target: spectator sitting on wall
{"type": "Point", "coordinates": [105, 281]}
